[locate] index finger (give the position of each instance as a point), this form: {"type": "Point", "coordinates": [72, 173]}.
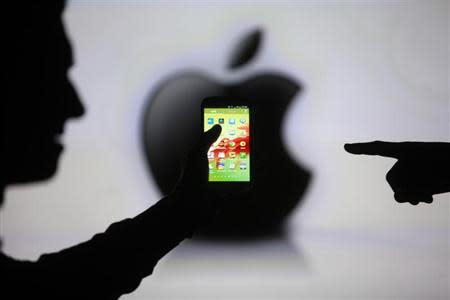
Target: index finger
{"type": "Point", "coordinates": [209, 137]}
{"type": "Point", "coordinates": [388, 149]}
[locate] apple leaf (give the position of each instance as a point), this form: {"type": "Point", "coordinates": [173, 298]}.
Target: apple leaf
{"type": "Point", "coordinates": [246, 49]}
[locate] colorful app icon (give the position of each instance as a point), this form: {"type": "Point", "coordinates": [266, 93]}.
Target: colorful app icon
{"type": "Point", "coordinates": [231, 121]}
{"type": "Point", "coordinates": [210, 166]}
{"type": "Point", "coordinates": [211, 155]}
{"type": "Point", "coordinates": [242, 120]}
{"type": "Point", "coordinates": [243, 143]}
{"type": "Point", "coordinates": [232, 132]}
{"type": "Point", "coordinates": [232, 166]}
{"type": "Point", "coordinates": [221, 165]}
{"type": "Point", "coordinates": [231, 144]}
{"type": "Point", "coordinates": [242, 155]}
{"type": "Point", "coordinates": [221, 121]}
{"type": "Point", "coordinates": [221, 155]}
{"type": "Point", "coordinates": [232, 154]}
{"type": "Point", "coordinates": [210, 120]}
{"type": "Point", "coordinates": [243, 166]}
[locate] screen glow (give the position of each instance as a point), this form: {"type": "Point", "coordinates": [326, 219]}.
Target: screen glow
{"type": "Point", "coordinates": [229, 156]}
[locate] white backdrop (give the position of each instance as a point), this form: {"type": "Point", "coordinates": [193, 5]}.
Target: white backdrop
{"type": "Point", "coordinates": [372, 70]}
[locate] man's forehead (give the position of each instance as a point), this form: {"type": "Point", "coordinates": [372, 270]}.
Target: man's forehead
{"type": "Point", "coordinates": [66, 47]}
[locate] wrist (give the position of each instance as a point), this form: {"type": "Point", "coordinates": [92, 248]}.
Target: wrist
{"type": "Point", "coordinates": [200, 209]}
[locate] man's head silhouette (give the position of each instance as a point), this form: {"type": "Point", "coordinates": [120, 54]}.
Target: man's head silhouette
{"type": "Point", "coordinates": [40, 97]}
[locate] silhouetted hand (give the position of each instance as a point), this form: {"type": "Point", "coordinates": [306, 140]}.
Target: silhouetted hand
{"type": "Point", "coordinates": [422, 169]}
{"type": "Point", "coordinates": [192, 190]}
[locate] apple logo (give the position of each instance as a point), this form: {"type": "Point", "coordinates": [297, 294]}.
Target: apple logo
{"type": "Point", "coordinates": [172, 122]}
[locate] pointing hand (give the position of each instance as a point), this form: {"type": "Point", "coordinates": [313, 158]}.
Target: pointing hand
{"type": "Point", "coordinates": [422, 169]}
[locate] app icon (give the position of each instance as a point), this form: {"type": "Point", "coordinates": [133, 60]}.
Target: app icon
{"type": "Point", "coordinates": [211, 155]}
{"type": "Point", "coordinates": [242, 132]}
{"type": "Point", "coordinates": [221, 155]}
{"type": "Point", "coordinates": [242, 120]}
{"type": "Point", "coordinates": [221, 121]}
{"type": "Point", "coordinates": [221, 144]}
{"type": "Point", "coordinates": [242, 155]}
{"type": "Point", "coordinates": [210, 120]}
{"type": "Point", "coordinates": [231, 144]}
{"type": "Point", "coordinates": [243, 166]}
{"type": "Point", "coordinates": [231, 121]}
{"type": "Point", "coordinates": [232, 166]}
{"type": "Point", "coordinates": [243, 143]}
{"type": "Point", "coordinates": [232, 154]}
{"type": "Point", "coordinates": [221, 165]}
{"type": "Point", "coordinates": [232, 132]}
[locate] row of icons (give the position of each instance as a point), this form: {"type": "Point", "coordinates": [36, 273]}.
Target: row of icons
{"type": "Point", "coordinates": [231, 154]}
{"type": "Point", "coordinates": [241, 132]}
{"type": "Point", "coordinates": [231, 166]}
{"type": "Point", "coordinates": [231, 121]}
{"type": "Point", "coordinates": [232, 144]}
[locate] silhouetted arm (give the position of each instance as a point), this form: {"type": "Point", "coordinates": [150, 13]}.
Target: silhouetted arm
{"type": "Point", "coordinates": [114, 262]}
{"type": "Point", "coordinates": [422, 169]}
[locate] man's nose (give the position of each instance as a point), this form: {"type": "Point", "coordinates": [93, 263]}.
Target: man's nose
{"type": "Point", "coordinates": [75, 108]}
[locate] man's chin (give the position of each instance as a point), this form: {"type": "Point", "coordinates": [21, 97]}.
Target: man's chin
{"type": "Point", "coordinates": [46, 172]}
{"type": "Point", "coordinates": [37, 168]}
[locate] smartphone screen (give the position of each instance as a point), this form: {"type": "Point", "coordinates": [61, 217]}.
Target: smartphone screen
{"type": "Point", "coordinates": [229, 156]}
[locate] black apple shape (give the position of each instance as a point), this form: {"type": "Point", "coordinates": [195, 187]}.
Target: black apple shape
{"type": "Point", "coordinates": [172, 122]}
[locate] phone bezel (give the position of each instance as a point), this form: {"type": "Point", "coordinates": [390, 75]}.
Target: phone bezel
{"type": "Point", "coordinates": [224, 102]}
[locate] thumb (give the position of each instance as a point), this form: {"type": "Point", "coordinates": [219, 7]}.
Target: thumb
{"type": "Point", "coordinates": [209, 137]}
{"type": "Point", "coordinates": [413, 197]}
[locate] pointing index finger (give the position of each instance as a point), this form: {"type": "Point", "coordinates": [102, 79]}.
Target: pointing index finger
{"type": "Point", "coordinates": [381, 148]}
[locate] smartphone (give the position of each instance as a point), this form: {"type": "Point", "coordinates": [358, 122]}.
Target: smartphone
{"type": "Point", "coordinates": [230, 157]}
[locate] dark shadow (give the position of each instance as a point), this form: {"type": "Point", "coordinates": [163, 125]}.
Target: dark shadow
{"type": "Point", "coordinates": [220, 256]}
{"type": "Point", "coordinates": [223, 269]}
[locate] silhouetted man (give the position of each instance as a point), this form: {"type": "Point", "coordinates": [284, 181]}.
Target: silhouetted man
{"type": "Point", "coordinates": [38, 102]}
{"type": "Point", "coordinates": [422, 169]}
